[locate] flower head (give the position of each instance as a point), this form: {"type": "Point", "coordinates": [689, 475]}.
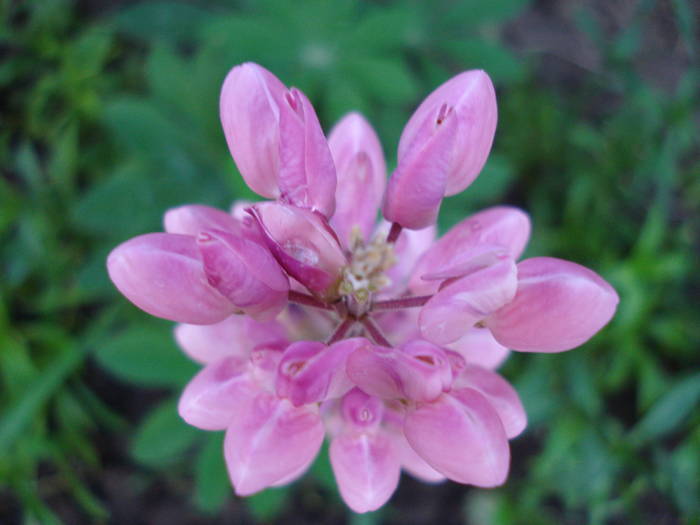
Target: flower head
{"type": "Point", "coordinates": [311, 319]}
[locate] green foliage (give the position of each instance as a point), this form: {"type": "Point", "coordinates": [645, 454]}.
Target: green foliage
{"type": "Point", "coordinates": [110, 119]}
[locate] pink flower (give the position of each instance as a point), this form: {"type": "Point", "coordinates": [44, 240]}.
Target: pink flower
{"type": "Point", "coordinates": [311, 320]}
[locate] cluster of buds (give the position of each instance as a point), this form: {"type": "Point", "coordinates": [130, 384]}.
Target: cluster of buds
{"type": "Point", "coordinates": [312, 320]}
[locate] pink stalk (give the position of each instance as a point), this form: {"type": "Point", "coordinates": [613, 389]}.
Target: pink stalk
{"type": "Point", "coordinates": [374, 331]}
{"type": "Point", "coordinates": [394, 232]}
{"type": "Point", "coordinates": [398, 304]}
{"type": "Point", "coordinates": [307, 300]}
{"type": "Point", "coordinates": [341, 330]}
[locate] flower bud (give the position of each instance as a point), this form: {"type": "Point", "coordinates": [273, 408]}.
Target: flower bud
{"type": "Point", "coordinates": [245, 273]}
{"type": "Point", "coordinates": [304, 245]}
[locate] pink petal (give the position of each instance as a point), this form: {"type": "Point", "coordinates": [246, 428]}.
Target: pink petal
{"type": "Point", "coordinates": [245, 273]}
{"type": "Point", "coordinates": [454, 310]}
{"type": "Point", "coordinates": [236, 335]}
{"type": "Point", "coordinates": [361, 170]}
{"type": "Point", "coordinates": [249, 108]}
{"type": "Point", "coordinates": [307, 174]}
{"type": "Point", "coordinates": [194, 218]}
{"type": "Point", "coordinates": [162, 274]}
{"type": "Point", "coordinates": [304, 245]}
{"type": "Point", "coordinates": [416, 188]}
{"type": "Point", "coordinates": [366, 469]}
{"type": "Point", "coordinates": [502, 396]}
{"type": "Point", "coordinates": [473, 98]}
{"type": "Point", "coordinates": [310, 371]}
{"type": "Point", "coordinates": [500, 226]}
{"type": "Point", "coordinates": [464, 440]}
{"type": "Point", "coordinates": [417, 370]}
{"type": "Point", "coordinates": [271, 441]}
{"type": "Point", "coordinates": [558, 306]}
{"type": "Point", "coordinates": [478, 347]}
{"type": "Point", "coordinates": [214, 397]}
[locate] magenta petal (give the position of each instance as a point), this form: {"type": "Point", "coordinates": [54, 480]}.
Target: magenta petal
{"type": "Point", "coordinates": [304, 245]}
{"type": "Point", "coordinates": [245, 273]}
{"type": "Point", "coordinates": [270, 441]}
{"type": "Point", "coordinates": [361, 171]}
{"type": "Point", "coordinates": [366, 469]}
{"type": "Point", "coordinates": [194, 218]}
{"type": "Point", "coordinates": [236, 336]}
{"type": "Point", "coordinates": [214, 397]}
{"type": "Point", "coordinates": [558, 306]}
{"type": "Point", "coordinates": [502, 396]}
{"type": "Point", "coordinates": [478, 347]}
{"type": "Point", "coordinates": [417, 370]}
{"type": "Point", "coordinates": [473, 98]}
{"type": "Point", "coordinates": [310, 371]}
{"type": "Point", "coordinates": [307, 174]}
{"type": "Point", "coordinates": [464, 440]}
{"type": "Point", "coordinates": [162, 274]}
{"type": "Point", "coordinates": [454, 310]}
{"type": "Point", "coordinates": [249, 108]}
{"type": "Point", "coordinates": [416, 188]}
{"type": "Point", "coordinates": [498, 227]}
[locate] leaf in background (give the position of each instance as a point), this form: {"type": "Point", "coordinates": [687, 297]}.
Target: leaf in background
{"type": "Point", "coordinates": [212, 485]}
{"type": "Point", "coordinates": [174, 21]}
{"type": "Point", "coordinates": [268, 504]}
{"type": "Point", "coordinates": [388, 81]}
{"type": "Point", "coordinates": [163, 436]}
{"type": "Point", "coordinates": [146, 354]}
{"type": "Point", "coordinates": [668, 412]}
{"type": "Point", "coordinates": [489, 55]}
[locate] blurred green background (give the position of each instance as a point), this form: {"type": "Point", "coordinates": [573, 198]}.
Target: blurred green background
{"type": "Point", "coordinates": [110, 116]}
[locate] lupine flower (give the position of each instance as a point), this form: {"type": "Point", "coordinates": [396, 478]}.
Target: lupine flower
{"type": "Point", "coordinates": [312, 320]}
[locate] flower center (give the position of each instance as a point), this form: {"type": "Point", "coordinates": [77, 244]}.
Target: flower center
{"type": "Point", "coordinates": [365, 274]}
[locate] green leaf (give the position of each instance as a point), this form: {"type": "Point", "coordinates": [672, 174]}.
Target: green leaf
{"type": "Point", "coordinates": [174, 21]}
{"type": "Point", "coordinates": [268, 504]}
{"type": "Point", "coordinates": [162, 437]}
{"type": "Point", "coordinates": [667, 414]}
{"type": "Point", "coordinates": [212, 485]}
{"type": "Point", "coordinates": [147, 355]}
{"type": "Point", "coordinates": [389, 81]}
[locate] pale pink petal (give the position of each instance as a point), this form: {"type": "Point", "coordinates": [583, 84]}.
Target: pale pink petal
{"type": "Point", "coordinates": [558, 306]}
{"type": "Point", "coordinates": [244, 272]}
{"type": "Point", "coordinates": [500, 226]}
{"type": "Point", "coordinates": [236, 335]}
{"type": "Point", "coordinates": [361, 170]}
{"type": "Point", "coordinates": [454, 310]}
{"type": "Point", "coordinates": [304, 245]}
{"type": "Point", "coordinates": [411, 462]}
{"type": "Point", "coordinates": [270, 441]}
{"type": "Point", "coordinates": [498, 392]}
{"type": "Point", "coordinates": [473, 98]}
{"type": "Point", "coordinates": [162, 274]}
{"type": "Point", "coordinates": [464, 440]}
{"type": "Point", "coordinates": [408, 249]}
{"type": "Point", "coordinates": [366, 469]}
{"type": "Point", "coordinates": [478, 347]}
{"type": "Point", "coordinates": [307, 174]}
{"type": "Point", "coordinates": [249, 109]}
{"type": "Point", "coordinates": [194, 218]}
{"type": "Point", "coordinates": [416, 188]}
{"type": "Point", "coordinates": [214, 397]}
